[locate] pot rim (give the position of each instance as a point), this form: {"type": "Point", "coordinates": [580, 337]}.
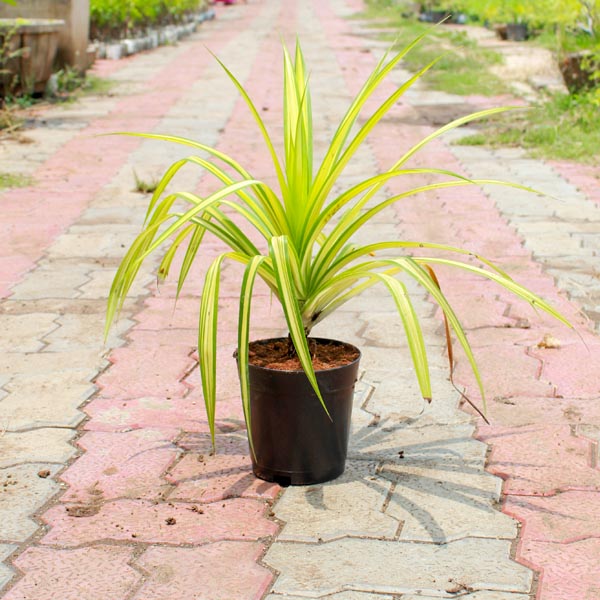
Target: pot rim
{"type": "Point", "coordinates": [298, 371]}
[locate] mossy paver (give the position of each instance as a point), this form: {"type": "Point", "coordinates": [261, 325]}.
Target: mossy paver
{"type": "Point", "coordinates": [147, 510]}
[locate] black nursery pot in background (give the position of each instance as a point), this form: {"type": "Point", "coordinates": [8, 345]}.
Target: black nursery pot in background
{"type": "Point", "coordinates": [295, 442]}
{"type": "Point", "coordinates": [517, 32]}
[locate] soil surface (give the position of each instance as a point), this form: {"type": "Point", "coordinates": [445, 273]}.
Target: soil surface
{"type": "Point", "coordinates": [279, 354]}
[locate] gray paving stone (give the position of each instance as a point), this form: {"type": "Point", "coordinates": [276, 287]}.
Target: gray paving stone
{"type": "Point", "coordinates": [442, 444]}
{"type": "Point", "coordinates": [45, 445]}
{"type": "Point", "coordinates": [6, 573]}
{"type": "Point", "coordinates": [41, 401]}
{"type": "Point", "coordinates": [22, 492]}
{"type": "Point", "coordinates": [475, 596]}
{"type": "Point", "coordinates": [386, 330]}
{"type": "Point", "coordinates": [24, 333]}
{"type": "Point", "coordinates": [86, 331]}
{"type": "Point", "coordinates": [447, 503]}
{"type": "Point", "coordinates": [100, 280]}
{"type": "Point", "coordinates": [546, 245]}
{"type": "Point", "coordinates": [384, 358]}
{"type": "Point", "coordinates": [351, 505]}
{"type": "Point", "coordinates": [340, 596]}
{"type": "Point", "coordinates": [396, 398]}
{"type": "Point", "coordinates": [396, 567]}
{"type": "Point", "coordinates": [102, 243]}
{"type": "Point", "coordinates": [52, 362]}
{"type": "Point", "coordinates": [51, 281]}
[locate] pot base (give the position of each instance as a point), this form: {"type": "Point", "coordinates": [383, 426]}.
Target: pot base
{"type": "Point", "coordinates": [287, 478]}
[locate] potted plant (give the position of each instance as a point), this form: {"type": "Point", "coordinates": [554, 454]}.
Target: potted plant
{"type": "Point", "coordinates": [31, 46]}
{"type": "Point", "coordinates": [297, 413]}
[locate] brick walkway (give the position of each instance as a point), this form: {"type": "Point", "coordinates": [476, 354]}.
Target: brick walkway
{"type": "Point", "coordinates": [135, 507]}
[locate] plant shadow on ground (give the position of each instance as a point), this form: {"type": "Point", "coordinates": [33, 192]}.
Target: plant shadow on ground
{"type": "Point", "coordinates": [416, 474]}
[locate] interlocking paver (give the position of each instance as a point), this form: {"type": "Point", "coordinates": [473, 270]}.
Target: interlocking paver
{"type": "Point", "coordinates": [565, 517]}
{"type": "Point", "coordinates": [445, 504]}
{"type": "Point", "coordinates": [121, 465]}
{"type": "Point", "coordinates": [165, 523]}
{"type": "Point", "coordinates": [37, 401]}
{"type": "Point", "coordinates": [24, 333]}
{"type": "Point", "coordinates": [36, 446]}
{"type": "Point", "coordinates": [396, 567]}
{"type": "Point", "coordinates": [16, 363]}
{"type": "Point", "coordinates": [205, 476]}
{"type": "Point", "coordinates": [22, 491]}
{"type": "Point", "coordinates": [6, 573]}
{"type": "Point", "coordinates": [114, 414]}
{"type": "Point", "coordinates": [80, 574]}
{"type": "Point", "coordinates": [568, 571]}
{"type": "Point", "coordinates": [340, 596]}
{"type": "Point", "coordinates": [206, 572]}
{"type": "Point", "coordinates": [352, 505]}
{"type": "Point", "coordinates": [541, 459]}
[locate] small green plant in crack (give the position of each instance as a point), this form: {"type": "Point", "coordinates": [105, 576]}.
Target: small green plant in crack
{"type": "Point", "coordinates": [145, 187]}
{"type": "Point", "coordinates": [14, 180]}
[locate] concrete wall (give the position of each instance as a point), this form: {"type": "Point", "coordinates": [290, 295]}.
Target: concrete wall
{"type": "Point", "coordinates": [74, 37]}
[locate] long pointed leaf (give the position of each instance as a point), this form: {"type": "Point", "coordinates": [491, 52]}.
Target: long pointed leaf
{"type": "Point", "coordinates": [244, 338]}
{"type": "Point", "coordinates": [280, 256]}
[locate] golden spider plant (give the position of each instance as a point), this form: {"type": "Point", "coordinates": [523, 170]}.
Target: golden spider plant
{"type": "Point", "coordinates": [311, 266]}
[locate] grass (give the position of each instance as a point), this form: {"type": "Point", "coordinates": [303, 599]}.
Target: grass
{"type": "Point", "coordinates": [12, 180]}
{"type": "Point", "coordinates": [145, 187]}
{"type": "Point", "coordinates": [562, 127]}
{"type": "Point", "coordinates": [464, 67]}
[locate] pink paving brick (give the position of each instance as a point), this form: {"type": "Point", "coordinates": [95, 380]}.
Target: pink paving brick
{"type": "Point", "coordinates": [483, 310]}
{"type": "Point", "coordinates": [228, 385]}
{"type": "Point", "coordinates": [565, 518]}
{"type": "Point", "coordinates": [569, 572]}
{"type": "Point", "coordinates": [117, 465]}
{"type": "Point", "coordinates": [113, 414]}
{"type": "Point", "coordinates": [101, 572]}
{"type": "Point", "coordinates": [220, 571]}
{"type": "Point", "coordinates": [506, 371]}
{"type": "Point", "coordinates": [202, 476]}
{"type": "Point", "coordinates": [153, 370]}
{"type": "Point", "coordinates": [540, 459]}
{"type": "Point", "coordinates": [142, 521]}
{"type": "Point", "coordinates": [573, 369]}
{"type": "Point", "coordinates": [519, 411]}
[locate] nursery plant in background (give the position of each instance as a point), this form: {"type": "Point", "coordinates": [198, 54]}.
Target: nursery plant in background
{"type": "Point", "coordinates": [114, 18]}
{"type": "Point", "coordinates": [310, 263]}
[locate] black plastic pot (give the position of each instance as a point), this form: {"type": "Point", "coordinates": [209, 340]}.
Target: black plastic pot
{"type": "Point", "coordinates": [516, 32]}
{"type": "Point", "coordinates": [295, 442]}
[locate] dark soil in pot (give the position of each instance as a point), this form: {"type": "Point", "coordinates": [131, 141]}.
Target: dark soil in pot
{"type": "Point", "coordinates": [295, 442]}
